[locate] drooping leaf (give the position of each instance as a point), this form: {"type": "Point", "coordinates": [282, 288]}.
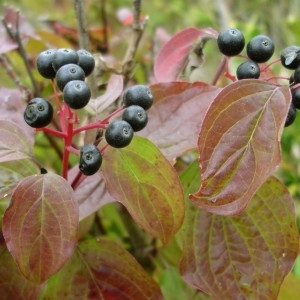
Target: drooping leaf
{"type": "Point", "coordinates": [247, 256]}
{"type": "Point", "coordinates": [102, 269]}
{"type": "Point", "coordinates": [113, 91]}
{"type": "Point", "coordinates": [14, 143]}
{"type": "Point", "coordinates": [172, 57]}
{"type": "Point", "coordinates": [239, 144]}
{"type": "Point", "coordinates": [176, 116]}
{"type": "Point", "coordinates": [13, 285]}
{"type": "Point", "coordinates": [141, 178]}
{"type": "Point", "coordinates": [41, 224]}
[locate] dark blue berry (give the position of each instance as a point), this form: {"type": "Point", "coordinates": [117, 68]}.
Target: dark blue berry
{"type": "Point", "coordinates": [119, 134]}
{"type": "Point", "coordinates": [231, 41]}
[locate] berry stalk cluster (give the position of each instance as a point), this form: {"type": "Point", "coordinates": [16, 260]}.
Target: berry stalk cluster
{"type": "Point", "coordinates": [68, 70]}
{"type": "Point", "coordinates": [231, 42]}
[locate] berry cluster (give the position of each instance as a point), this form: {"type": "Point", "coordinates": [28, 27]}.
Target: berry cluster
{"type": "Point", "coordinates": [260, 49]}
{"type": "Point", "coordinates": [68, 69]}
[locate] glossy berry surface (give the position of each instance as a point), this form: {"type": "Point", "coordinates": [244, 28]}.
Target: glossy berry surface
{"type": "Point", "coordinates": [76, 94]}
{"type": "Point", "coordinates": [86, 61]}
{"type": "Point", "coordinates": [260, 48]}
{"type": "Point", "coordinates": [248, 69]}
{"type": "Point", "coordinates": [296, 75]}
{"type": "Point", "coordinates": [290, 57]}
{"type": "Point", "coordinates": [231, 41]}
{"type": "Point", "coordinates": [296, 98]}
{"type": "Point", "coordinates": [138, 95]}
{"type": "Point", "coordinates": [68, 73]}
{"type": "Point", "coordinates": [90, 159]}
{"type": "Point", "coordinates": [136, 116]}
{"type": "Point", "coordinates": [44, 63]}
{"type": "Point", "coordinates": [119, 134]}
{"type": "Point", "coordinates": [64, 56]}
{"type": "Point", "coordinates": [291, 116]}
{"type": "Point", "coordinates": [38, 113]}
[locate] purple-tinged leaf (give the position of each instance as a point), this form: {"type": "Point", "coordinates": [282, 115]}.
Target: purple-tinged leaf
{"type": "Point", "coordinates": [102, 269]}
{"type": "Point", "coordinates": [40, 226]}
{"type": "Point", "coordinates": [112, 93]}
{"type": "Point", "coordinates": [12, 108]}
{"type": "Point", "coordinates": [91, 194]}
{"type": "Point", "coordinates": [141, 178]}
{"type": "Point", "coordinates": [172, 57]}
{"type": "Point", "coordinates": [239, 144]}
{"type": "Point", "coordinates": [248, 255]}
{"type": "Point", "coordinates": [176, 116]}
{"type": "Point", "coordinates": [13, 285]}
{"type": "Point", "coordinates": [14, 143]}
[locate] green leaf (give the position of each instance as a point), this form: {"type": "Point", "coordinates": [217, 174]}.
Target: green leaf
{"type": "Point", "coordinates": [247, 256]}
{"type": "Point", "coordinates": [141, 178]}
{"type": "Point", "coordinates": [102, 269]}
{"type": "Point", "coordinates": [13, 285]}
{"type": "Point", "coordinates": [290, 288]}
{"type": "Point", "coordinates": [40, 226]}
{"type": "Point", "coordinates": [239, 144]}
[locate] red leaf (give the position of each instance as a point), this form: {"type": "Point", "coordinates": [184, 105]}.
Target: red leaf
{"type": "Point", "coordinates": [40, 226]}
{"type": "Point", "coordinates": [245, 256]}
{"type": "Point", "coordinates": [176, 116]}
{"type": "Point", "coordinates": [239, 144]}
{"type": "Point", "coordinates": [172, 56]}
{"type": "Point", "coordinates": [13, 285]}
{"type": "Point", "coordinates": [102, 269]}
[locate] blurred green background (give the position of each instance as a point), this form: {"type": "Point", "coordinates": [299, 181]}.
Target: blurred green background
{"type": "Point", "coordinates": [277, 19]}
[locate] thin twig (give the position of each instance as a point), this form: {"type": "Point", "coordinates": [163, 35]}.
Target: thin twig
{"type": "Point", "coordinates": [105, 45]}
{"type": "Point", "coordinates": [4, 62]}
{"type": "Point", "coordinates": [81, 24]}
{"type": "Point", "coordinates": [137, 32]}
{"type": "Point", "coordinates": [15, 35]}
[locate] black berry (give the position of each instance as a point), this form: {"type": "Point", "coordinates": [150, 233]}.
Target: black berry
{"type": "Point", "coordinates": [44, 63]}
{"type": "Point", "coordinates": [260, 48]}
{"type": "Point", "coordinates": [64, 56]}
{"type": "Point", "coordinates": [90, 159]}
{"type": "Point", "coordinates": [86, 61]}
{"type": "Point", "coordinates": [136, 116]}
{"type": "Point", "coordinates": [138, 95]}
{"type": "Point", "coordinates": [38, 113]}
{"type": "Point", "coordinates": [68, 73]}
{"type": "Point", "coordinates": [76, 94]}
{"type": "Point", "coordinates": [231, 41]}
{"type": "Point", "coordinates": [248, 69]}
{"type": "Point", "coordinates": [290, 57]}
{"type": "Point", "coordinates": [296, 98]}
{"type": "Point", "coordinates": [296, 75]}
{"type": "Point", "coordinates": [119, 134]}
{"type": "Point", "coordinates": [291, 116]}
